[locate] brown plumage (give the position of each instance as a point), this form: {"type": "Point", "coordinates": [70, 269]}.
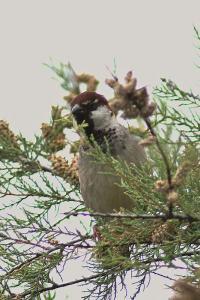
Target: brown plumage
{"type": "Point", "coordinates": [88, 97]}
{"type": "Point", "coordinates": [185, 291]}
{"type": "Point", "coordinates": [101, 191]}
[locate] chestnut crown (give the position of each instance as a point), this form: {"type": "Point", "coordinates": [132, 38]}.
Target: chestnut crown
{"type": "Point", "coordinates": [93, 109]}
{"type": "Point", "coordinates": [87, 98]}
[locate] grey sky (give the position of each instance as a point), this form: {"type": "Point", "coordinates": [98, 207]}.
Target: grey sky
{"type": "Point", "coordinates": [154, 38]}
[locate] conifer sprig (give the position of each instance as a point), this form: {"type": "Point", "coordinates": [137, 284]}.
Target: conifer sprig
{"type": "Point", "coordinates": [45, 226]}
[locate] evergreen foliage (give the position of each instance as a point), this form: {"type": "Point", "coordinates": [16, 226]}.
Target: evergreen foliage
{"type": "Point", "coordinates": [45, 227]}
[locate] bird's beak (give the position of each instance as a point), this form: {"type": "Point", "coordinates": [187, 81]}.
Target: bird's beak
{"type": "Point", "coordinates": [75, 108]}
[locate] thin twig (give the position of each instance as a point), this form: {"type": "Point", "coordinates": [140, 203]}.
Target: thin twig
{"type": "Point", "coordinates": [168, 170]}
{"type": "Point", "coordinates": [165, 159]}
{"type": "Point", "coordinates": [38, 255]}
{"type": "Point", "coordinates": [85, 279]}
{"type": "Point", "coordinates": [58, 197]}
{"type": "Point", "coordinates": [133, 216]}
{"type": "Point", "coordinates": [56, 286]}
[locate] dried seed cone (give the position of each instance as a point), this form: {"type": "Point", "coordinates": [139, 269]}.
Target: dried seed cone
{"type": "Point", "coordinates": [52, 241]}
{"type": "Point", "coordinates": [148, 141]}
{"type": "Point", "coordinates": [90, 80]}
{"type": "Point", "coordinates": [164, 232]}
{"type": "Point", "coordinates": [131, 111]}
{"type": "Point", "coordinates": [131, 82]}
{"type": "Point", "coordinates": [54, 141]}
{"type": "Point", "coordinates": [62, 168]}
{"type": "Point", "coordinates": [117, 104]}
{"type": "Point", "coordinates": [70, 97]}
{"type": "Point", "coordinates": [181, 173]}
{"type": "Point", "coordinates": [185, 291]}
{"type": "Point", "coordinates": [46, 130]}
{"type": "Point", "coordinates": [73, 170]}
{"type": "Point", "coordinates": [134, 102]}
{"type": "Point", "coordinates": [172, 197]}
{"type": "Point", "coordinates": [91, 85]}
{"type": "Point", "coordinates": [60, 165]}
{"type": "Point", "coordinates": [7, 134]}
{"type": "Point", "coordinates": [148, 110]}
{"type": "Point", "coordinates": [58, 142]}
{"type": "Point", "coordinates": [161, 185]}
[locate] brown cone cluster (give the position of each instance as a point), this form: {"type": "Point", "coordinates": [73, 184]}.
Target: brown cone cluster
{"type": "Point", "coordinates": [89, 80]}
{"type": "Point", "coordinates": [132, 101]}
{"type": "Point", "coordinates": [7, 134]}
{"type": "Point", "coordinates": [62, 168]}
{"type": "Point", "coordinates": [150, 140]}
{"type": "Point", "coordinates": [172, 197]}
{"type": "Point", "coordinates": [163, 187]}
{"type": "Point", "coordinates": [185, 291]}
{"type": "Point", "coordinates": [181, 173]}
{"type": "Point", "coordinates": [163, 232]}
{"type": "Point", "coordinates": [54, 139]}
{"type": "Point", "coordinates": [177, 180]}
{"type": "Point", "coordinates": [53, 133]}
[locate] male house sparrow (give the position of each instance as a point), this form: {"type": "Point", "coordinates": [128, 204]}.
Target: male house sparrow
{"type": "Point", "coordinates": [100, 191]}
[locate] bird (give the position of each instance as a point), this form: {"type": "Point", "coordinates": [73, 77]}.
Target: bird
{"type": "Point", "coordinates": [100, 187]}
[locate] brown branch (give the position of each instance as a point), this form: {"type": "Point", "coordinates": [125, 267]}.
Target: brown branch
{"type": "Point", "coordinates": [58, 197]}
{"type": "Point", "coordinates": [161, 275]}
{"type": "Point", "coordinates": [35, 164]}
{"type": "Point", "coordinates": [165, 159]}
{"type": "Point", "coordinates": [133, 216]}
{"type": "Point", "coordinates": [168, 170]}
{"type": "Point", "coordinates": [18, 241]}
{"type": "Point", "coordinates": [57, 286]}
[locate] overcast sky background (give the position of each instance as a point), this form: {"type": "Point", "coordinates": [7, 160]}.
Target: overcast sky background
{"type": "Point", "coordinates": [153, 38]}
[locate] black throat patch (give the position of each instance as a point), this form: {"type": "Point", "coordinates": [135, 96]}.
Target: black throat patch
{"type": "Point", "coordinates": [105, 139]}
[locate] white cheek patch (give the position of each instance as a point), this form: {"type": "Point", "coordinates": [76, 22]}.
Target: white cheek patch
{"type": "Point", "coordinates": [102, 117]}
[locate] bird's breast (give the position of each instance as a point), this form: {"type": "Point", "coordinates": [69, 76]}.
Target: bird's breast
{"type": "Point", "coordinates": [100, 188]}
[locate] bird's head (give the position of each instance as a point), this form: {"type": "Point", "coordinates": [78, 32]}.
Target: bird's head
{"type": "Point", "coordinates": [93, 110]}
